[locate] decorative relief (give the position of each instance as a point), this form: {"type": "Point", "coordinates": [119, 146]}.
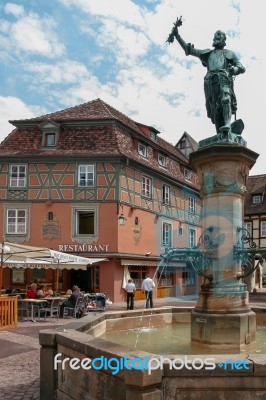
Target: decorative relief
{"type": "Point", "coordinates": [51, 228]}
{"type": "Point", "coordinates": [137, 228]}
{"type": "Point", "coordinates": [220, 176]}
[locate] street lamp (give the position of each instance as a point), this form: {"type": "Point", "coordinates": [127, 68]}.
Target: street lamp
{"type": "Point", "coordinates": [4, 250]}
{"type": "Point", "coordinates": [121, 218]}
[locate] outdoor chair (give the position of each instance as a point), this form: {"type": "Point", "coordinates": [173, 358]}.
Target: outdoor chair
{"type": "Point", "coordinates": [52, 309]}
{"type": "Point", "coordinates": [23, 308]}
{"type": "Point", "coordinates": [76, 311]}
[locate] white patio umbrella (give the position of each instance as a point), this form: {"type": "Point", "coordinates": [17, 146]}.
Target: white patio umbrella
{"type": "Point", "coordinates": [15, 255]}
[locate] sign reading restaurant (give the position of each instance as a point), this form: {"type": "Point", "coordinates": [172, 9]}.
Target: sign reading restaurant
{"type": "Point", "coordinates": [65, 248]}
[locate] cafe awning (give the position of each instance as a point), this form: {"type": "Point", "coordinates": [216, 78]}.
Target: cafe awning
{"type": "Point", "coordinates": [22, 256]}
{"type": "Point", "coordinates": [15, 255]}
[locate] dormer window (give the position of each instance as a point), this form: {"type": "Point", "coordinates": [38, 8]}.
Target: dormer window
{"type": "Point", "coordinates": [161, 160]}
{"type": "Point", "coordinates": [49, 140]}
{"type": "Point", "coordinates": [153, 136]}
{"type": "Point", "coordinates": [142, 150]}
{"type": "Point", "coordinates": [50, 132]}
{"type": "Point", "coordinates": [188, 174]}
{"type": "Point", "coordinates": [256, 199]}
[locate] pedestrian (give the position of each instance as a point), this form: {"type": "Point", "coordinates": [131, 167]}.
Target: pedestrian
{"type": "Point", "coordinates": [130, 289]}
{"type": "Point", "coordinates": [147, 286]}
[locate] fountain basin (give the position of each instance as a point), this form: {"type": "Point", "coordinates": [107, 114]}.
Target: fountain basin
{"type": "Point", "coordinates": [190, 379]}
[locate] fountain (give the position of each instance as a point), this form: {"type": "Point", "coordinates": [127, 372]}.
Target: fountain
{"type": "Point", "coordinates": [222, 316]}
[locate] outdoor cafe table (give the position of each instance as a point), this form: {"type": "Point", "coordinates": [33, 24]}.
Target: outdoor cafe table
{"type": "Point", "coordinates": [32, 303]}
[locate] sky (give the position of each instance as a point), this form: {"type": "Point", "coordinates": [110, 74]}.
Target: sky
{"type": "Point", "coordinates": [62, 53]}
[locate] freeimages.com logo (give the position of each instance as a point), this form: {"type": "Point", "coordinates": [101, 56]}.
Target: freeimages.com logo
{"type": "Point", "coordinates": [148, 363]}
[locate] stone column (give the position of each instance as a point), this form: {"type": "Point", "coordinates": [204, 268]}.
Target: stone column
{"type": "Point", "coordinates": [222, 314]}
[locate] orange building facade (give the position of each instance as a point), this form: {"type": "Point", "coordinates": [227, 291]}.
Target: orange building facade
{"type": "Point", "coordinates": [92, 182]}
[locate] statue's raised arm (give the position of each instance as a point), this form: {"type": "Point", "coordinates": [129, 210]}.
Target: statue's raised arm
{"type": "Point", "coordinates": [175, 35]}
{"type": "Point", "coordinates": [222, 65]}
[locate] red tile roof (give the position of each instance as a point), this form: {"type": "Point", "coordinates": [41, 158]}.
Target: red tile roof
{"type": "Point", "coordinates": [95, 137]}
{"type": "Point", "coordinates": [90, 111]}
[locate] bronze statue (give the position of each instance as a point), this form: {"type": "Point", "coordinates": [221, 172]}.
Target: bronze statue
{"type": "Point", "coordinates": [222, 65]}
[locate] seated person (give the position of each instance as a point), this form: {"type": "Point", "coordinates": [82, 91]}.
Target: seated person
{"type": "Point", "coordinates": [32, 292]}
{"type": "Point", "coordinates": [69, 292]}
{"type": "Point", "coordinates": [71, 301]}
{"type": "Point", "coordinates": [49, 293]}
{"type": "Point", "coordinates": [41, 293]}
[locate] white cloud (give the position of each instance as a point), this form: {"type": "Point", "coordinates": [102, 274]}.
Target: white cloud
{"type": "Point", "coordinates": [14, 9]}
{"type": "Point", "coordinates": [31, 34]}
{"type": "Point", "coordinates": [127, 44]}
{"type": "Point", "coordinates": [64, 72]}
{"type": "Point", "coordinates": [35, 35]}
{"type": "Point", "coordinates": [13, 108]}
{"type": "Point", "coordinates": [124, 11]}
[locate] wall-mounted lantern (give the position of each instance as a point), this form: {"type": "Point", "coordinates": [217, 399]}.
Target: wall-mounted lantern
{"type": "Point", "coordinates": [121, 217]}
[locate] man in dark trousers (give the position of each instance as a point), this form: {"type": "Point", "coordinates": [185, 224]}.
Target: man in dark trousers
{"type": "Point", "coordinates": [147, 286]}
{"type": "Point", "coordinates": [130, 288]}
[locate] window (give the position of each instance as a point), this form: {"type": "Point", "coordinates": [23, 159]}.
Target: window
{"type": "Point", "coordinates": [167, 234]}
{"type": "Point", "coordinates": [138, 275]}
{"type": "Point", "coordinates": [16, 221]}
{"type": "Point", "coordinates": [86, 175]}
{"type": "Point", "coordinates": [188, 174]}
{"type": "Point", "coordinates": [17, 176]}
{"type": "Point", "coordinates": [49, 139]}
{"type": "Point", "coordinates": [188, 278]}
{"type": "Point", "coordinates": [192, 238]}
{"type": "Point", "coordinates": [153, 136]}
{"type": "Point", "coordinates": [50, 216]}
{"type": "Point", "coordinates": [180, 231]}
{"type": "Point", "coordinates": [183, 144]}
{"type": "Point", "coordinates": [142, 149]}
{"type": "Point", "coordinates": [256, 199]}
{"type": "Point", "coordinates": [248, 227]}
{"type": "Point", "coordinates": [146, 186]}
{"type": "Point", "coordinates": [85, 222]}
{"type": "Point", "coordinates": [191, 204]}
{"type": "Point", "coordinates": [161, 160]}
{"type": "Point", "coordinates": [166, 194]}
{"type": "Point", "coordinates": [263, 228]}
{"type": "Point", "coordinates": [165, 279]}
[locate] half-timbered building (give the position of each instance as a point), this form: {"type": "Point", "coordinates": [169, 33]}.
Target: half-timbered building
{"type": "Point", "coordinates": [90, 181]}
{"type": "Point", "coordinates": [255, 223]}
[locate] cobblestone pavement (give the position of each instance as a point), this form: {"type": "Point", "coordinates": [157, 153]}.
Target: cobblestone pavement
{"type": "Point", "coordinates": [20, 360]}
{"type": "Point", "coordinates": [20, 349]}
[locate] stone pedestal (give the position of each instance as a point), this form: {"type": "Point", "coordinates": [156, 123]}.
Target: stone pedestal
{"type": "Point", "coordinates": [222, 315]}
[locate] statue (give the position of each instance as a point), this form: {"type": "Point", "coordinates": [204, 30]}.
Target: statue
{"type": "Point", "coordinates": [222, 65]}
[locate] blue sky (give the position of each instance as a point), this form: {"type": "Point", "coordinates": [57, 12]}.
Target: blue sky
{"type": "Point", "coordinates": [61, 53]}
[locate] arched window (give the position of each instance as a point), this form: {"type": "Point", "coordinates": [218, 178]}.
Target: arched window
{"type": "Point", "coordinates": [50, 216]}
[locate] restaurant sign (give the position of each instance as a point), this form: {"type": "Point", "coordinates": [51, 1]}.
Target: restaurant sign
{"type": "Point", "coordinates": [91, 248]}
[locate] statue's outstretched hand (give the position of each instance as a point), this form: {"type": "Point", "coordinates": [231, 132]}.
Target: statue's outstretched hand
{"type": "Point", "coordinates": [174, 33]}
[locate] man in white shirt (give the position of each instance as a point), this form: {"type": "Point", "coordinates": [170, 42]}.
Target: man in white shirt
{"type": "Point", "coordinates": [147, 286]}
{"type": "Point", "coordinates": [130, 288]}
